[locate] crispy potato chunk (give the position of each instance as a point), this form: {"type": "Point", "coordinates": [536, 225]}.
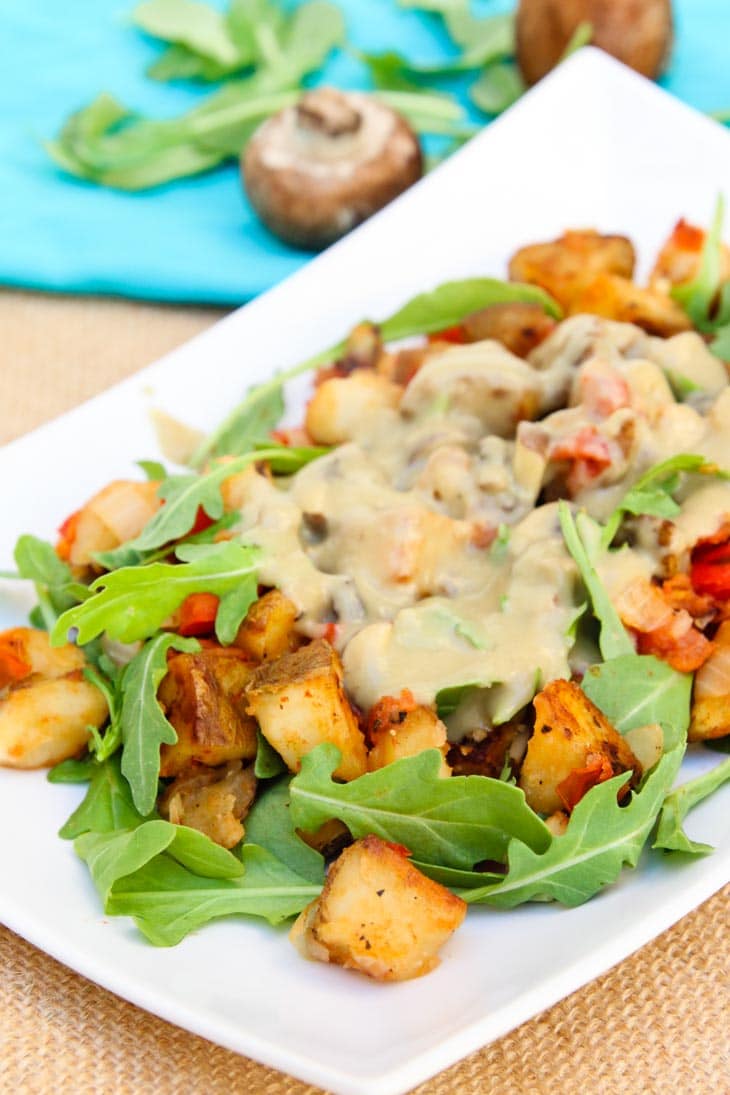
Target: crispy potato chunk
{"type": "Point", "coordinates": [338, 405]}
{"type": "Point", "coordinates": [504, 744]}
{"type": "Point", "coordinates": [405, 733]}
{"type": "Point", "coordinates": [711, 694]}
{"type": "Point", "coordinates": [379, 915]}
{"type": "Point", "coordinates": [519, 326]}
{"type": "Point", "coordinates": [203, 697]}
{"type": "Point", "coordinates": [214, 801]}
{"type": "Point", "coordinates": [570, 735]}
{"type": "Point", "coordinates": [619, 299]}
{"type": "Point", "coordinates": [117, 513]}
{"type": "Point", "coordinates": [46, 706]}
{"type": "Point", "coordinates": [563, 266]}
{"type": "Point", "coordinates": [268, 630]}
{"type": "Point", "coordinates": [299, 702]}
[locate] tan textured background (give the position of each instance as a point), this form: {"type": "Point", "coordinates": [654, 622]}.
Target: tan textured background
{"type": "Point", "coordinates": [658, 1023]}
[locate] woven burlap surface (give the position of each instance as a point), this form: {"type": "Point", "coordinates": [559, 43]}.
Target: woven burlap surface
{"type": "Point", "coordinates": [657, 1023]}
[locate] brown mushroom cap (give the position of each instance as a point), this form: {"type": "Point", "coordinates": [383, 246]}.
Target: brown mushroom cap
{"type": "Point", "coordinates": [637, 32]}
{"type": "Point", "coordinates": [316, 169]}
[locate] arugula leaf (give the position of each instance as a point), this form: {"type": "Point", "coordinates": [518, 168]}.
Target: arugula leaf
{"type": "Point", "coordinates": [268, 763]}
{"type": "Point", "coordinates": [153, 469]}
{"type": "Point", "coordinates": [55, 588]}
{"type": "Point", "coordinates": [239, 435]}
{"type": "Point", "coordinates": [167, 901]}
{"type": "Point", "coordinates": [720, 344]}
{"type": "Point", "coordinates": [144, 726]}
{"type": "Point", "coordinates": [682, 387]}
{"type": "Point", "coordinates": [670, 835]}
{"type": "Point", "coordinates": [581, 36]}
{"type": "Point", "coordinates": [104, 745]}
{"type": "Point", "coordinates": [450, 302]}
{"type": "Point", "coordinates": [72, 771]}
{"type": "Point", "coordinates": [638, 689]}
{"type": "Point", "coordinates": [133, 602]}
{"type": "Point", "coordinates": [270, 826]}
{"type": "Point", "coordinates": [126, 556]}
{"type": "Point", "coordinates": [600, 838]}
{"type": "Point", "coordinates": [199, 854]}
{"type": "Point", "coordinates": [614, 640]}
{"type": "Point", "coordinates": [498, 87]}
{"type": "Point", "coordinates": [448, 699]}
{"type": "Point", "coordinates": [180, 63]}
{"type": "Point", "coordinates": [184, 495]}
{"type": "Point", "coordinates": [455, 879]}
{"type": "Point", "coordinates": [454, 822]}
{"type": "Point", "coordinates": [196, 26]}
{"type": "Point", "coordinates": [652, 493]}
{"type": "Point", "coordinates": [108, 805]}
{"type": "Point", "coordinates": [112, 855]}
{"type": "Point", "coordinates": [698, 295]}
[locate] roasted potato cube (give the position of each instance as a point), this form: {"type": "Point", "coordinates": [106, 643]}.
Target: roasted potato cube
{"type": "Point", "coordinates": [268, 630]}
{"type": "Point", "coordinates": [570, 735]}
{"type": "Point", "coordinates": [619, 299]}
{"type": "Point", "coordinates": [203, 697]}
{"type": "Point", "coordinates": [379, 915]}
{"type": "Point", "coordinates": [47, 721]}
{"type": "Point", "coordinates": [117, 513]}
{"type": "Point", "coordinates": [339, 404]}
{"type": "Point", "coordinates": [519, 326]}
{"type": "Point", "coordinates": [299, 702]}
{"type": "Point", "coordinates": [565, 265]}
{"type": "Point", "coordinates": [405, 733]}
{"type": "Point", "coordinates": [46, 706]}
{"type": "Point", "coordinates": [711, 695]}
{"type": "Point", "coordinates": [502, 745]}
{"type": "Point", "coordinates": [214, 801]}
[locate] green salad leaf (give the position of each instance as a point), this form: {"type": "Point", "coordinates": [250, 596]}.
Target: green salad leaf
{"type": "Point", "coordinates": [144, 726]}
{"type": "Point", "coordinates": [580, 537]}
{"type": "Point", "coordinates": [112, 855]}
{"type": "Point", "coordinates": [108, 805]}
{"type": "Point", "coordinates": [453, 822]}
{"type": "Point", "coordinates": [652, 493]}
{"type": "Point", "coordinates": [56, 591]}
{"type": "Point", "coordinates": [600, 839]}
{"type": "Point", "coordinates": [637, 689]}
{"type": "Point", "coordinates": [670, 834]}
{"type": "Point", "coordinates": [72, 771]}
{"type": "Point", "coordinates": [498, 87]}
{"type": "Point", "coordinates": [697, 296]}
{"type": "Point", "coordinates": [126, 556]}
{"type": "Point", "coordinates": [168, 901]}
{"type": "Point", "coordinates": [198, 27]}
{"type": "Point", "coordinates": [270, 826]}
{"type": "Point", "coordinates": [268, 763]}
{"type": "Point", "coordinates": [134, 602]}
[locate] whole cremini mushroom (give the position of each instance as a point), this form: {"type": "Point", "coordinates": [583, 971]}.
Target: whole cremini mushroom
{"type": "Point", "coordinates": [316, 169]}
{"type": "Point", "coordinates": [637, 32]}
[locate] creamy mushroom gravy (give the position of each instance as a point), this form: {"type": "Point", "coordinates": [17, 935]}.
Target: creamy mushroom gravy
{"type": "Point", "coordinates": [394, 534]}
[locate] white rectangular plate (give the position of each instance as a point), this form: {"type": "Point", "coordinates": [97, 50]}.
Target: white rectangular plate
{"type": "Point", "coordinates": [593, 145]}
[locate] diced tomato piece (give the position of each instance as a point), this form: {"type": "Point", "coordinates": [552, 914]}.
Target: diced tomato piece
{"type": "Point", "coordinates": [710, 569]}
{"type": "Point", "coordinates": [389, 711]}
{"type": "Point", "coordinates": [578, 782]}
{"type": "Point", "coordinates": [687, 237]}
{"type": "Point", "coordinates": [67, 535]}
{"type": "Point", "coordinates": [589, 453]}
{"type": "Point", "coordinates": [679, 593]}
{"type": "Point", "coordinates": [198, 613]}
{"type": "Point", "coordinates": [202, 521]}
{"type": "Point", "coordinates": [455, 334]}
{"type": "Point", "coordinates": [603, 393]}
{"type": "Point", "coordinates": [330, 632]}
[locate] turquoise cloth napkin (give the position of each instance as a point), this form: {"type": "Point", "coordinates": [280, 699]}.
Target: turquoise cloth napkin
{"type": "Point", "coordinates": [197, 239]}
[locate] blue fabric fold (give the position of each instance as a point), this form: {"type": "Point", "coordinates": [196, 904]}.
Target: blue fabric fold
{"type": "Point", "coordinates": [195, 239]}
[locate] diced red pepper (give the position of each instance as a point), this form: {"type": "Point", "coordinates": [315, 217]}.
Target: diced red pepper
{"type": "Point", "coordinates": [710, 570]}
{"type": "Point", "coordinates": [578, 782]}
{"type": "Point", "coordinates": [13, 667]}
{"type": "Point", "coordinates": [330, 632]}
{"type": "Point", "coordinates": [389, 711]}
{"type": "Point", "coordinates": [198, 613]}
{"type": "Point", "coordinates": [202, 521]}
{"type": "Point", "coordinates": [67, 535]}
{"type": "Point", "coordinates": [455, 334]}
